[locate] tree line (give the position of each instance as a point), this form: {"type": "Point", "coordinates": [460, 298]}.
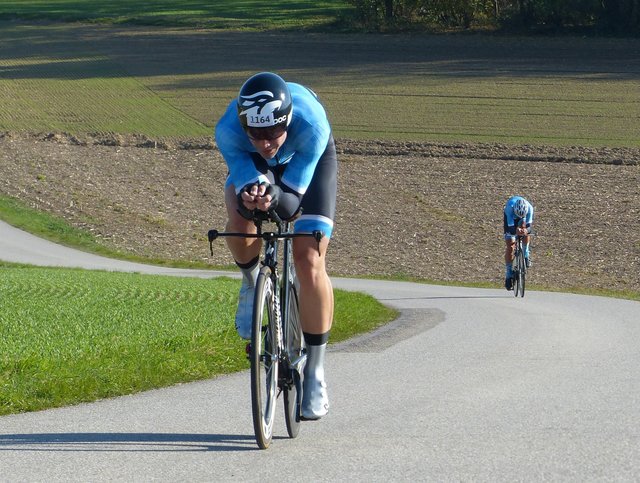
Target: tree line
{"type": "Point", "coordinates": [618, 17]}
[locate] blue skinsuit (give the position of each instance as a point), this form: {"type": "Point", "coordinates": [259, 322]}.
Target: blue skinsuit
{"type": "Point", "coordinates": [308, 137]}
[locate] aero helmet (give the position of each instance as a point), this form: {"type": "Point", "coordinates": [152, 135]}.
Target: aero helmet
{"type": "Point", "coordinates": [264, 106]}
{"type": "Point", "coordinates": [520, 208]}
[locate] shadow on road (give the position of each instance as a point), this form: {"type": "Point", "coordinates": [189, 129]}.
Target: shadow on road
{"type": "Point", "coordinates": [440, 297]}
{"type": "Point", "coordinates": [107, 442]}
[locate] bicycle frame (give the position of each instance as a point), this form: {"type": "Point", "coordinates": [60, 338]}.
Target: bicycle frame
{"type": "Point", "coordinates": [270, 257]}
{"type": "Point", "coordinates": [281, 285]}
{"type": "Point", "coordinates": [519, 268]}
{"type": "Point", "coordinates": [271, 342]}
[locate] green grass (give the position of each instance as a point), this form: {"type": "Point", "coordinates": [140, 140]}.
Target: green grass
{"type": "Point", "coordinates": [87, 94]}
{"type": "Point", "coordinates": [68, 336]}
{"type": "Point", "coordinates": [42, 224]}
{"type": "Point", "coordinates": [168, 82]}
{"type": "Point", "coordinates": [202, 13]}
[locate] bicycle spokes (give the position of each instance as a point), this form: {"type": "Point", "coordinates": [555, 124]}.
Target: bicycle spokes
{"type": "Point", "coordinates": [264, 360]}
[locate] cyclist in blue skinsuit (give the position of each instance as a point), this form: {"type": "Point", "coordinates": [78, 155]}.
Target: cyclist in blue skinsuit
{"type": "Point", "coordinates": [277, 142]}
{"type": "Point", "coordinates": [518, 219]}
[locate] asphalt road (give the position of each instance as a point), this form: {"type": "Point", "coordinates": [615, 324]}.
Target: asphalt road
{"type": "Point", "coordinates": [469, 384]}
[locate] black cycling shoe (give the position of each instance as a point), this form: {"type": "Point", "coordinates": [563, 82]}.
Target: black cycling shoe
{"type": "Point", "coordinates": [527, 262]}
{"type": "Point", "coordinates": [508, 283]}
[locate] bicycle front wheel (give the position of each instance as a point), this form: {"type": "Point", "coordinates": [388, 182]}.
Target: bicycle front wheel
{"type": "Point", "coordinates": [294, 344]}
{"type": "Point", "coordinates": [264, 359]}
{"type": "Point", "coordinates": [522, 270]}
{"type": "Point", "coordinates": [515, 277]}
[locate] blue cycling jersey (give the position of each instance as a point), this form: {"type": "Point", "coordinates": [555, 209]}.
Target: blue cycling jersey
{"type": "Point", "coordinates": [307, 138]}
{"type": "Point", "coordinates": [510, 218]}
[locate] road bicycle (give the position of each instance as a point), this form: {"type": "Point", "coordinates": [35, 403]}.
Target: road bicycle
{"type": "Point", "coordinates": [277, 352]}
{"type": "Point", "coordinates": [518, 268]}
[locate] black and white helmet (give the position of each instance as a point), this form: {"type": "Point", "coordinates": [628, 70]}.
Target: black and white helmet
{"type": "Point", "coordinates": [264, 105]}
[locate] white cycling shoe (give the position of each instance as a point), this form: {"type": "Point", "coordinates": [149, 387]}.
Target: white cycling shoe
{"type": "Point", "coordinates": [315, 400]}
{"type": "Point", "coordinates": [244, 314]}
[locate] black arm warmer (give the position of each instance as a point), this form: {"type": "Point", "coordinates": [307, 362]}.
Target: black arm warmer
{"type": "Point", "coordinates": [285, 201]}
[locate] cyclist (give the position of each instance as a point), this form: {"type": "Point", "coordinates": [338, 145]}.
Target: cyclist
{"type": "Point", "coordinates": [518, 218]}
{"type": "Point", "coordinates": [277, 142]}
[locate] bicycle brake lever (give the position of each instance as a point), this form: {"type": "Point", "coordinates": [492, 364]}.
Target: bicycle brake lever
{"type": "Point", "coordinates": [274, 216]}
{"type": "Point", "coordinates": [212, 235]}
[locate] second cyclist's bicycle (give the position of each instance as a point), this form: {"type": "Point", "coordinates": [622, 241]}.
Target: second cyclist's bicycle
{"type": "Point", "coordinates": [277, 352]}
{"type": "Point", "coordinates": [519, 268]}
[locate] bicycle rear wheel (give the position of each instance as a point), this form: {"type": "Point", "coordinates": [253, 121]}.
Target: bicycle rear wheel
{"type": "Point", "coordinates": [264, 359]}
{"type": "Point", "coordinates": [294, 345]}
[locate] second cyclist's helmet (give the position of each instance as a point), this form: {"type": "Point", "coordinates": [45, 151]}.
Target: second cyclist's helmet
{"type": "Point", "coordinates": [520, 208]}
{"type": "Point", "coordinates": [264, 103]}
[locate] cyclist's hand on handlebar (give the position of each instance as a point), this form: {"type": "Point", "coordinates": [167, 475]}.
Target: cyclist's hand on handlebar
{"type": "Point", "coordinates": [522, 231]}
{"type": "Point", "coordinates": [247, 197]}
{"type": "Point", "coordinates": [258, 197]}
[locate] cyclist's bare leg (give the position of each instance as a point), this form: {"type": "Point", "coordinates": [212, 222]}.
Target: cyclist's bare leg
{"type": "Point", "coordinates": [509, 253]}
{"type": "Point", "coordinates": [316, 316]}
{"type": "Point", "coordinates": [243, 250]}
{"type": "Point", "coordinates": [316, 291]}
{"type": "Point", "coordinates": [510, 247]}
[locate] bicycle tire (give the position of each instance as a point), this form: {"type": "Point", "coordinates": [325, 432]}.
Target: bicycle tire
{"type": "Point", "coordinates": [264, 359]}
{"type": "Point", "coordinates": [522, 270]}
{"type": "Point", "coordinates": [515, 277]}
{"type": "Point", "coordinates": [294, 345]}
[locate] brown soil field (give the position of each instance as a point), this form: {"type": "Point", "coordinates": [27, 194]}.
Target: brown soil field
{"type": "Point", "coordinates": [425, 210]}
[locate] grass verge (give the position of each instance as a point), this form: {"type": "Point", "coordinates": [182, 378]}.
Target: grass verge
{"type": "Point", "coordinates": [59, 231]}
{"type": "Point", "coordinates": [71, 336]}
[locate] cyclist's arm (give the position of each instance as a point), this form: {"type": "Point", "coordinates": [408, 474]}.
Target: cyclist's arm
{"type": "Point", "coordinates": [309, 144]}
{"type": "Point", "coordinates": [509, 222]}
{"type": "Point", "coordinates": [529, 218]}
{"type": "Point", "coordinates": [235, 148]}
{"type": "Point", "coordinates": [287, 201]}
{"type": "Point", "coordinates": [281, 199]}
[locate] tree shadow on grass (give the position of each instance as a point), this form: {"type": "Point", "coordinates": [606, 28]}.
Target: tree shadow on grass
{"type": "Point", "coordinates": [73, 51]}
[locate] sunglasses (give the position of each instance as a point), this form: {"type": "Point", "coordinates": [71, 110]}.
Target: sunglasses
{"type": "Point", "coordinates": [266, 133]}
